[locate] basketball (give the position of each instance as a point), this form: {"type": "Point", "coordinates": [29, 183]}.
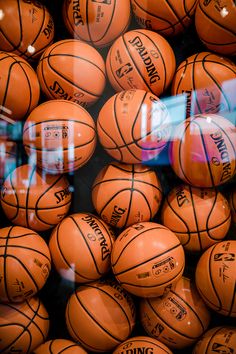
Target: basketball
{"type": "Point", "coordinates": [215, 25]}
{"type": "Point", "coordinates": [232, 203]}
{"type": "Point", "coordinates": [60, 136]}
{"type": "Point", "coordinates": [15, 73]}
{"type": "Point", "coordinates": [177, 319]}
{"type": "Point", "coordinates": [215, 277]}
{"type": "Point", "coordinates": [208, 82]}
{"type": "Point", "coordinates": [23, 326]}
{"type": "Point", "coordinates": [199, 217]}
{"type": "Point", "coordinates": [98, 23]}
{"type": "Point", "coordinates": [67, 70]}
{"type": "Point", "coordinates": [100, 315]}
{"type": "Point", "coordinates": [147, 259]}
{"type": "Point", "coordinates": [142, 344]}
{"type": "Point", "coordinates": [27, 28]}
{"type": "Point", "coordinates": [217, 339]}
{"type": "Point", "coordinates": [33, 199]}
{"type": "Point", "coordinates": [25, 263]}
{"type": "Point", "coordinates": [57, 346]}
{"type": "Point", "coordinates": [169, 18]}
{"type": "Point", "coordinates": [92, 242]}
{"type": "Point", "coordinates": [133, 126]}
{"type": "Point", "coordinates": [125, 194]}
{"type": "Point", "coordinates": [202, 151]}
{"type": "Point", "coordinates": [141, 59]}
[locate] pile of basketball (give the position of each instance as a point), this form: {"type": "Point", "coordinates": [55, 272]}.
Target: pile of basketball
{"type": "Point", "coordinates": [128, 258]}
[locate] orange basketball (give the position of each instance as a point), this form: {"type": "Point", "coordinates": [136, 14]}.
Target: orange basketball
{"type": "Point", "coordinates": [16, 73]}
{"type": "Point", "coordinates": [169, 18]}
{"type": "Point", "coordinates": [100, 315]}
{"type": "Point", "coordinates": [217, 340]}
{"type": "Point", "coordinates": [142, 344]}
{"type": "Point", "coordinates": [232, 203]}
{"type": "Point", "coordinates": [140, 59]}
{"type": "Point", "coordinates": [202, 152]}
{"type": "Point", "coordinates": [25, 263]}
{"type": "Point", "coordinates": [72, 70]}
{"type": "Point", "coordinates": [27, 28]}
{"type": "Point", "coordinates": [208, 83]}
{"type": "Point", "coordinates": [125, 194]}
{"type": "Point", "coordinates": [58, 346]}
{"type": "Point", "coordinates": [215, 25]}
{"type": "Point", "coordinates": [23, 326]}
{"type": "Point", "coordinates": [97, 22]}
{"type": "Point", "coordinates": [147, 259]}
{"type": "Point", "coordinates": [34, 199]}
{"type": "Point", "coordinates": [178, 318]}
{"type": "Point", "coordinates": [60, 136]}
{"type": "Point", "coordinates": [199, 217]}
{"type": "Point", "coordinates": [215, 277]}
{"type": "Point", "coordinates": [8, 157]}
{"type": "Point", "coordinates": [88, 239]}
{"type": "Point", "coordinates": [133, 126]}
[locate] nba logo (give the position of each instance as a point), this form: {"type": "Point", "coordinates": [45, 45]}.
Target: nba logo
{"type": "Point", "coordinates": [124, 70]}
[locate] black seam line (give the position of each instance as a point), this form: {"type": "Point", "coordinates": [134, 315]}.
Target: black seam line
{"type": "Point", "coordinates": [86, 242]}
{"type": "Point", "coordinates": [18, 236]}
{"type": "Point", "coordinates": [35, 208]}
{"type": "Point", "coordinates": [194, 91]}
{"type": "Point", "coordinates": [49, 56]}
{"type": "Point", "coordinates": [26, 248]}
{"type": "Point", "coordinates": [222, 92]}
{"type": "Point", "coordinates": [24, 330]}
{"type": "Point", "coordinates": [75, 333]}
{"type": "Point", "coordinates": [42, 80]}
{"type": "Point", "coordinates": [108, 62]}
{"type": "Point", "coordinates": [191, 308]}
{"type": "Point", "coordinates": [211, 277]}
{"type": "Point", "coordinates": [181, 140]}
{"type": "Point", "coordinates": [215, 22]}
{"type": "Point", "coordinates": [88, 21]}
{"type": "Point", "coordinates": [113, 141]}
{"type": "Point", "coordinates": [5, 262]}
{"type": "Point", "coordinates": [131, 189]}
{"type": "Point", "coordinates": [28, 195]}
{"type": "Point", "coordinates": [160, 53]}
{"type": "Point", "coordinates": [213, 305]}
{"type": "Point", "coordinates": [135, 65]}
{"type": "Point", "coordinates": [219, 44]}
{"type": "Point", "coordinates": [195, 217]}
{"type": "Point", "coordinates": [209, 215]}
{"type": "Point", "coordinates": [117, 302]}
{"type": "Point", "coordinates": [180, 20]}
{"type": "Point", "coordinates": [35, 311]}
{"type": "Point", "coordinates": [31, 147]}
{"type": "Point", "coordinates": [97, 323]}
{"type": "Point", "coordinates": [186, 62]}
{"type": "Point", "coordinates": [157, 285]}
{"type": "Point", "coordinates": [140, 233]}
{"type": "Point", "coordinates": [66, 10]}
{"type": "Point", "coordinates": [117, 124]}
{"type": "Point", "coordinates": [190, 12]}
{"type": "Point", "coordinates": [129, 180]}
{"type": "Point", "coordinates": [37, 53]}
{"type": "Point", "coordinates": [113, 197]}
{"type": "Point", "coordinates": [168, 324]}
{"type": "Point", "coordinates": [64, 258]}
{"type": "Point", "coordinates": [50, 346]}
{"type": "Point", "coordinates": [205, 230]}
{"type": "Point", "coordinates": [147, 260]}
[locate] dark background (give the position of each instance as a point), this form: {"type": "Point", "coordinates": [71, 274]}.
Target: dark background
{"type": "Point", "coordinates": [56, 291]}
